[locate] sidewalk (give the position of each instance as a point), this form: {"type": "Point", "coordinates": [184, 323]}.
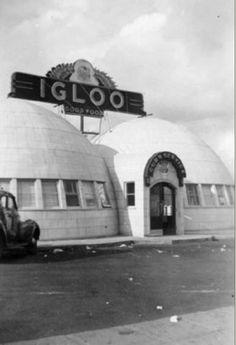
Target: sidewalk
{"type": "Point", "coordinates": [119, 240]}
{"type": "Point", "coordinates": [213, 327]}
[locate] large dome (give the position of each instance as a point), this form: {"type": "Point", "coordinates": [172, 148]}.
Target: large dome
{"type": "Point", "coordinates": [59, 178]}
{"type": "Point", "coordinates": [35, 142]}
{"type": "Point", "coordinates": [138, 139]}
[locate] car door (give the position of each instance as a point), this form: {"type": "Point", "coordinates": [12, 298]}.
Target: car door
{"type": "Point", "coordinates": [7, 220]}
{"type": "Point", "coordinates": [8, 214]}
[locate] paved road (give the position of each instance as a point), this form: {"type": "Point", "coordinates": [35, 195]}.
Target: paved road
{"type": "Point", "coordinates": [61, 293]}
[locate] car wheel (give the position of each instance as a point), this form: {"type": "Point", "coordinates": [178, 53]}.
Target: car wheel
{"type": "Point", "coordinates": [32, 249]}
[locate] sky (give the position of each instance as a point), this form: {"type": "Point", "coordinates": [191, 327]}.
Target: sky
{"type": "Point", "coordinates": [178, 53]}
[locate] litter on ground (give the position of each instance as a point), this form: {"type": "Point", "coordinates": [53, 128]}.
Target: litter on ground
{"type": "Point", "coordinates": [175, 318]}
{"type": "Point", "coordinates": [58, 250]}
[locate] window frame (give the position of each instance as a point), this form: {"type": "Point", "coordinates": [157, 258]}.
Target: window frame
{"type": "Point", "coordinates": [229, 189]}
{"type": "Point", "coordinates": [212, 194]}
{"type": "Point", "coordinates": [57, 194]}
{"type": "Point", "coordinates": [220, 192]}
{"type": "Point", "coordinates": [195, 196]}
{"type": "Point", "coordinates": [129, 194]}
{"type": "Point", "coordinates": [34, 206]}
{"type": "Point", "coordinates": [107, 203]}
{"type": "Point", "coordinates": [76, 193]}
{"type": "Point", "coordinates": [92, 183]}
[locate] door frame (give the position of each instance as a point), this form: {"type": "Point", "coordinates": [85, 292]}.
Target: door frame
{"type": "Point", "coordinates": [160, 231]}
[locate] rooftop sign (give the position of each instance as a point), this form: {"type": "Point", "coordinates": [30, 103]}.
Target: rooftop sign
{"type": "Point", "coordinates": [81, 89]}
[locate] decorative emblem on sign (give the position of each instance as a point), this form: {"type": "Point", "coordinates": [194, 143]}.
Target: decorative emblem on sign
{"type": "Point", "coordinates": [84, 73]}
{"type": "Point", "coordinates": [158, 160]}
{"type": "Point", "coordinates": [81, 71]}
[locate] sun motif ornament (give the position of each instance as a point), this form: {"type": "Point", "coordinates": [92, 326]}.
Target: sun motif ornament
{"type": "Point", "coordinates": [81, 71]}
{"type": "Point", "coordinates": [163, 166]}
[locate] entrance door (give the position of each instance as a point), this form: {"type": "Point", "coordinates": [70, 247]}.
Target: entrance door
{"type": "Point", "coordinates": [162, 208]}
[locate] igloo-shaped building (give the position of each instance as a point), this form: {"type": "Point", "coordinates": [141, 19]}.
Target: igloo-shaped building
{"type": "Point", "coordinates": [145, 177]}
{"type": "Point", "coordinates": [166, 180]}
{"type": "Point", "coordinates": [58, 177]}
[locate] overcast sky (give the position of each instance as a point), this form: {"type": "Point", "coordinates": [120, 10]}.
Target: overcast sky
{"type": "Point", "coordinates": [178, 53]}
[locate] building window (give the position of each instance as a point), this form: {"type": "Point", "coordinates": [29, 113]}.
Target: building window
{"type": "Point", "coordinates": [209, 195]}
{"type": "Point", "coordinates": [230, 193]}
{"type": "Point", "coordinates": [89, 194]}
{"type": "Point", "coordinates": [130, 193]}
{"type": "Point", "coordinates": [221, 195]}
{"type": "Point", "coordinates": [5, 185]}
{"type": "Point", "coordinates": [26, 193]}
{"type": "Point", "coordinates": [103, 195]}
{"type": "Point", "coordinates": [192, 194]}
{"type": "Point", "coordinates": [50, 194]}
{"type": "Point", "coordinates": [72, 192]}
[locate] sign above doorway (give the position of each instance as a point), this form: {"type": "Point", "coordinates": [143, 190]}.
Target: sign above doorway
{"type": "Point", "coordinates": [157, 159]}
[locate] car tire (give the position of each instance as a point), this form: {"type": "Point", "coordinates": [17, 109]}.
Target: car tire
{"type": "Point", "coordinates": [2, 246]}
{"type": "Point", "coordinates": [32, 249]}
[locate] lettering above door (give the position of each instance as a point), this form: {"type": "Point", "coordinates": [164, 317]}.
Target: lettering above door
{"type": "Point", "coordinates": [156, 159]}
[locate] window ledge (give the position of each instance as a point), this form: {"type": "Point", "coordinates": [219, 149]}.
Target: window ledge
{"type": "Point", "coordinates": [73, 208]}
{"type": "Point", "coordinates": [209, 207]}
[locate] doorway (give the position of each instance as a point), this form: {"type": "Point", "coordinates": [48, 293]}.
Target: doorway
{"type": "Point", "coordinates": [162, 208]}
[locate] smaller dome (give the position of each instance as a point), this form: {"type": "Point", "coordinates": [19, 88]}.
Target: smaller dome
{"type": "Point", "coordinates": [139, 139]}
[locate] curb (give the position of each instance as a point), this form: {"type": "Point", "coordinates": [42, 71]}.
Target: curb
{"type": "Point", "coordinates": [190, 240]}
{"type": "Point", "coordinates": [124, 243]}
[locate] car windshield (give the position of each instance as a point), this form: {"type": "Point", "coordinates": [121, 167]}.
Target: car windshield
{"type": "Point", "coordinates": [8, 202]}
{"type": "Point", "coordinates": [11, 203]}
{"type": "Point", "coordinates": [3, 201]}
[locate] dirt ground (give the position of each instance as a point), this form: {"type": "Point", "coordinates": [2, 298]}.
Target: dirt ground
{"type": "Point", "coordinates": [65, 290]}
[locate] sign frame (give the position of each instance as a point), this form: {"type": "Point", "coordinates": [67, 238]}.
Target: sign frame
{"type": "Point", "coordinates": [77, 98]}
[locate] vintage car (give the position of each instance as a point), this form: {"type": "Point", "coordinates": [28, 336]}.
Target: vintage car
{"type": "Point", "coordinates": [14, 233]}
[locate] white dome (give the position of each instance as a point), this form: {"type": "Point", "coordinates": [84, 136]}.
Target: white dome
{"type": "Point", "coordinates": [137, 140]}
{"type": "Point", "coordinates": [37, 143]}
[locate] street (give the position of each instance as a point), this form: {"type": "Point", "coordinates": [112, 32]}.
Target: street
{"type": "Point", "coordinates": [61, 291]}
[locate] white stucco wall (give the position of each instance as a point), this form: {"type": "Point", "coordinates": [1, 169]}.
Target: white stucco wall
{"type": "Point", "coordinates": [208, 220]}
{"type": "Point", "coordinates": [73, 223]}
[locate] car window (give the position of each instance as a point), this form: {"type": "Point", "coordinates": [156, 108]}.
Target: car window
{"type": "Point", "coordinates": [4, 201]}
{"type": "Point", "coordinates": [10, 203]}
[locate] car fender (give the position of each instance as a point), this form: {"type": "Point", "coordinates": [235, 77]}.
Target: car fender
{"type": "Point", "coordinates": [3, 233]}
{"type": "Point", "coordinates": [29, 230]}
